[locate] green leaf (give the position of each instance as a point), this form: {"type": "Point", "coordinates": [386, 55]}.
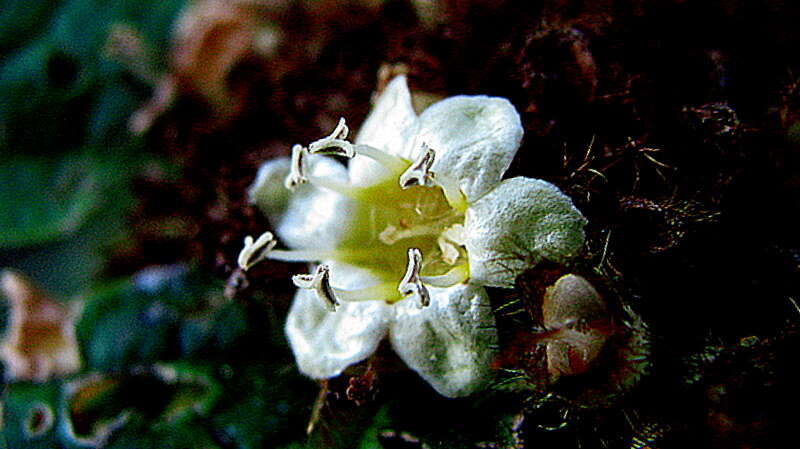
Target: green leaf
{"type": "Point", "coordinates": [139, 435]}
{"type": "Point", "coordinates": [61, 84]}
{"type": "Point", "coordinates": [370, 438]}
{"type": "Point", "coordinates": [31, 415]}
{"type": "Point", "coordinates": [21, 20]}
{"type": "Point", "coordinates": [58, 213]}
{"type": "Point", "coordinates": [125, 326]}
{"type": "Point", "coordinates": [263, 405]}
{"type": "Point", "coordinates": [163, 313]}
{"type": "Point", "coordinates": [93, 408]}
{"type": "Point", "coordinates": [45, 198]}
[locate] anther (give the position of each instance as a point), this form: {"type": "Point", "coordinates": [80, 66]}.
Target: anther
{"type": "Point", "coordinates": [449, 241]}
{"type": "Point", "coordinates": [419, 173]}
{"type": "Point", "coordinates": [449, 251]}
{"type": "Point", "coordinates": [256, 251]}
{"type": "Point", "coordinates": [297, 171]}
{"type": "Point", "coordinates": [411, 282]}
{"type": "Point", "coordinates": [335, 143]}
{"type": "Point", "coordinates": [320, 283]}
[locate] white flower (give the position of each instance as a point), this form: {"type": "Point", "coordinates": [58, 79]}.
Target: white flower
{"type": "Point", "coordinates": [422, 196]}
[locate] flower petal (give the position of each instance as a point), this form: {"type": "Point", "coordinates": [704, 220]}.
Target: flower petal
{"type": "Point", "coordinates": [518, 224]}
{"type": "Point", "coordinates": [450, 343]}
{"type": "Point", "coordinates": [309, 217]}
{"type": "Point", "coordinates": [325, 343]}
{"type": "Point", "coordinates": [474, 137]}
{"type": "Point", "coordinates": [389, 127]}
{"type": "Point", "coordinates": [268, 191]}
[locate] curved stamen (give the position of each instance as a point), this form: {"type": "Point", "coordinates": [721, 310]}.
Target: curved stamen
{"type": "Point", "coordinates": [341, 188]}
{"type": "Point", "coordinates": [419, 173]}
{"type": "Point", "coordinates": [391, 234]}
{"type": "Point", "coordinates": [449, 241]}
{"type": "Point", "coordinates": [255, 252]}
{"type": "Point", "coordinates": [300, 255]}
{"type": "Point", "coordinates": [411, 283]}
{"type": "Point", "coordinates": [449, 251]}
{"type": "Point", "coordinates": [458, 275]}
{"type": "Point", "coordinates": [452, 193]}
{"type": "Point", "coordinates": [390, 161]}
{"type": "Point", "coordinates": [297, 168]}
{"type": "Point", "coordinates": [379, 292]}
{"type": "Point", "coordinates": [316, 255]}
{"type": "Point", "coordinates": [335, 143]}
{"type": "Point", "coordinates": [320, 283]}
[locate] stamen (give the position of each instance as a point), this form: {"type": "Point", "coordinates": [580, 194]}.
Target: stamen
{"type": "Point", "coordinates": [315, 255]}
{"type": "Point", "coordinates": [391, 234]}
{"type": "Point", "coordinates": [297, 170]}
{"type": "Point", "coordinates": [379, 292]}
{"type": "Point", "coordinates": [452, 193]}
{"type": "Point", "coordinates": [449, 251]}
{"type": "Point", "coordinates": [411, 283]}
{"type": "Point", "coordinates": [419, 173]}
{"type": "Point", "coordinates": [456, 234]}
{"type": "Point", "coordinates": [391, 162]}
{"type": "Point", "coordinates": [300, 255]}
{"type": "Point", "coordinates": [458, 275]}
{"type": "Point", "coordinates": [335, 143]}
{"type": "Point", "coordinates": [255, 252]}
{"type": "Point", "coordinates": [320, 283]}
{"type": "Point", "coordinates": [330, 184]}
{"type": "Point", "coordinates": [449, 241]}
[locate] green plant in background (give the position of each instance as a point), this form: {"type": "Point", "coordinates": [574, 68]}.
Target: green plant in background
{"type": "Point", "coordinates": [154, 348]}
{"type": "Point", "coordinates": [66, 153]}
{"type": "Point", "coordinates": [166, 362]}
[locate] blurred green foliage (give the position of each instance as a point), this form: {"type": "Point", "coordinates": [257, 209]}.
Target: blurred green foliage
{"type": "Point", "coordinates": [67, 155]}
{"type": "Point", "coordinates": [168, 363]}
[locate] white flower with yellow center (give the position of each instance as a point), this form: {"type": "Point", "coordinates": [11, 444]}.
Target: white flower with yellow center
{"type": "Point", "coordinates": [405, 238]}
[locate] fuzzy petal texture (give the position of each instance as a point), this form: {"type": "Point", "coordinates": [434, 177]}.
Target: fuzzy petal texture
{"type": "Point", "coordinates": [325, 343]}
{"type": "Point", "coordinates": [390, 126]}
{"type": "Point", "coordinates": [309, 217]}
{"type": "Point", "coordinates": [475, 139]}
{"type": "Point", "coordinates": [450, 343]}
{"type": "Point", "coordinates": [517, 225]}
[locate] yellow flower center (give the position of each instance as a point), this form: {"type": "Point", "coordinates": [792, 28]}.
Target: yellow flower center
{"type": "Point", "coordinates": [410, 221]}
{"type": "Point", "coordinates": [389, 220]}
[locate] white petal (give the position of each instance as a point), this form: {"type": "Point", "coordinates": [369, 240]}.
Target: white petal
{"type": "Point", "coordinates": [450, 343]}
{"type": "Point", "coordinates": [475, 139]}
{"type": "Point", "coordinates": [268, 191]}
{"type": "Point", "coordinates": [390, 127]}
{"type": "Point", "coordinates": [325, 343]}
{"type": "Point", "coordinates": [518, 224]}
{"type": "Point", "coordinates": [309, 217]}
